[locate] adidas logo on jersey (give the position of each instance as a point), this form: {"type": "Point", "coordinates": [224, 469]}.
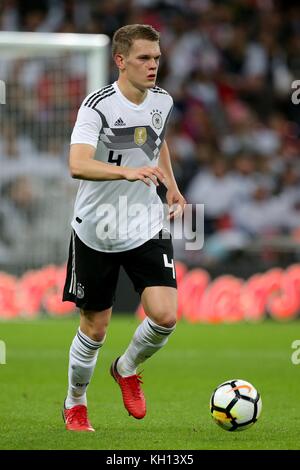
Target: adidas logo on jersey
{"type": "Point", "coordinates": [119, 122]}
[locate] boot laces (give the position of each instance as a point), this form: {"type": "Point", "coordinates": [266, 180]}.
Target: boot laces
{"type": "Point", "coordinates": [79, 415]}
{"type": "Point", "coordinates": [134, 385]}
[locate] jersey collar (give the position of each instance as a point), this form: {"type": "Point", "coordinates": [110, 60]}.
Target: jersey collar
{"type": "Point", "coordinates": [129, 103]}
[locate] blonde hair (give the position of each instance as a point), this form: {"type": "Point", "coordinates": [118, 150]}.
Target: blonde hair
{"type": "Point", "coordinates": [124, 37]}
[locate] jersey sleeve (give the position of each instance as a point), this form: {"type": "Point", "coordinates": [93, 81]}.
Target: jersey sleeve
{"type": "Point", "coordinates": [87, 127]}
{"type": "Point", "coordinates": [170, 110]}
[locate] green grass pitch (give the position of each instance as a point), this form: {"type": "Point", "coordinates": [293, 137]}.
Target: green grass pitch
{"type": "Point", "coordinates": [178, 382]}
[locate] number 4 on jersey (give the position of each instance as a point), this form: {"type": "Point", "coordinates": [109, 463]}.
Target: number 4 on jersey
{"type": "Point", "coordinates": [169, 265]}
{"type": "Point", "coordinates": [116, 160]}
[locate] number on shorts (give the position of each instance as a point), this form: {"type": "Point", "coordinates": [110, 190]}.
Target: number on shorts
{"type": "Point", "coordinates": [169, 265]}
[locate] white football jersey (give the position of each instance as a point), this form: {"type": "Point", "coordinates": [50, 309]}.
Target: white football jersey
{"type": "Point", "coordinates": [118, 215]}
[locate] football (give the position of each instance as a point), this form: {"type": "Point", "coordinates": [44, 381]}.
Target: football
{"type": "Point", "coordinates": [235, 405]}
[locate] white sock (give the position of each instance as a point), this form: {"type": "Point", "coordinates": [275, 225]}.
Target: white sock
{"type": "Point", "coordinates": [147, 339]}
{"type": "Point", "coordinates": [82, 360]}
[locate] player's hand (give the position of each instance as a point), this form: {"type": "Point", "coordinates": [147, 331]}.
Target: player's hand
{"type": "Point", "coordinates": [176, 203]}
{"type": "Point", "coordinates": [145, 174]}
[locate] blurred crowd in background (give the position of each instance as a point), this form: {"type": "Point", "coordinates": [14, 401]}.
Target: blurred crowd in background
{"type": "Point", "coordinates": [234, 132]}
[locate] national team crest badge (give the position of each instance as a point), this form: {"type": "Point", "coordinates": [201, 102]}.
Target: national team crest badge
{"type": "Point", "coordinates": [140, 135]}
{"type": "Point", "coordinates": [156, 118]}
{"type": "Point", "coordinates": [80, 291]}
{"type": "Point", "coordinates": [157, 121]}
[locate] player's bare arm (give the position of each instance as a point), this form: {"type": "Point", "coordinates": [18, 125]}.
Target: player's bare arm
{"type": "Point", "coordinates": [83, 166]}
{"type": "Point", "coordinates": [174, 197]}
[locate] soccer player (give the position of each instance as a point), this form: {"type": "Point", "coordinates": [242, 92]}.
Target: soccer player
{"type": "Point", "coordinates": [119, 153]}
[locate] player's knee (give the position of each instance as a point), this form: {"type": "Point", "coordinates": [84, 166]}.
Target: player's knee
{"type": "Point", "coordinates": [165, 314]}
{"type": "Point", "coordinates": [95, 325]}
{"type": "Point", "coordinates": [99, 335]}
{"type": "Point", "coordinates": [166, 319]}
{"type": "Point", "coordinates": [98, 330]}
{"type": "Point", "coordinates": [168, 322]}
{"type": "Point", "coordinates": [94, 333]}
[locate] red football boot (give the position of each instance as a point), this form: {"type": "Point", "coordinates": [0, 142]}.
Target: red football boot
{"type": "Point", "coordinates": [76, 419]}
{"type": "Point", "coordinates": [133, 397]}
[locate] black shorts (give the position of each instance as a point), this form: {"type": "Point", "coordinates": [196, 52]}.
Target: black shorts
{"type": "Point", "coordinates": [92, 275]}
